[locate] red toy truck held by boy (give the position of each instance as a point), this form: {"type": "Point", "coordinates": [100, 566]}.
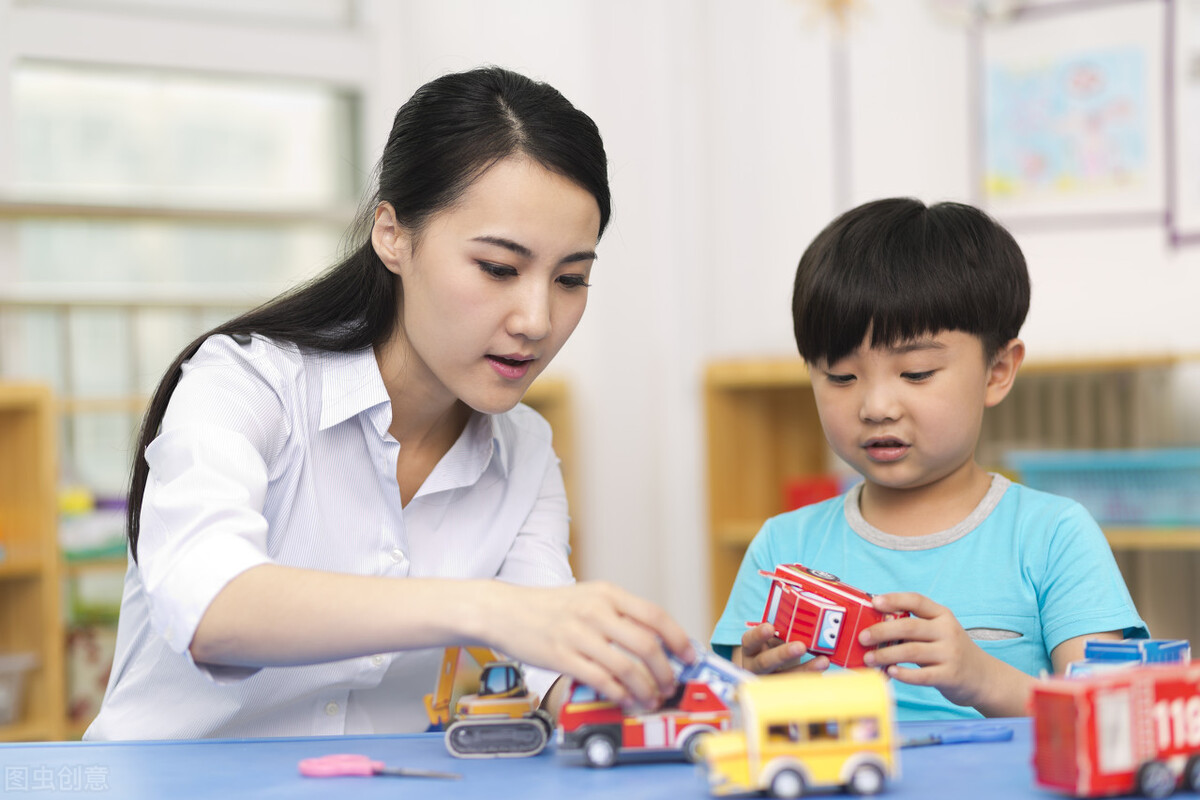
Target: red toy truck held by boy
{"type": "Point", "coordinates": [814, 607]}
{"type": "Point", "coordinates": [1132, 730]}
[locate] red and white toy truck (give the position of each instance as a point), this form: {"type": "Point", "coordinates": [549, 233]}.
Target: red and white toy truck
{"type": "Point", "coordinates": [1132, 730]}
{"type": "Point", "coordinates": [600, 731]}
{"type": "Point", "coordinates": [814, 607]}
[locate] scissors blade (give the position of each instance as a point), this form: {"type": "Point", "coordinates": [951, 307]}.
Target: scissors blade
{"type": "Point", "coordinates": [406, 772]}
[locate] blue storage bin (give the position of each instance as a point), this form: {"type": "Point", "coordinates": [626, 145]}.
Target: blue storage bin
{"type": "Point", "coordinates": [1126, 487]}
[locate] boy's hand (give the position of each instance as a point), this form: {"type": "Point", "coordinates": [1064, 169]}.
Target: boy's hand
{"type": "Point", "coordinates": [946, 657]}
{"type": "Point", "coordinates": [762, 652]}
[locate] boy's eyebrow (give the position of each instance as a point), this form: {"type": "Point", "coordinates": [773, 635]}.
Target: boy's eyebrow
{"type": "Point", "coordinates": [917, 345]}
{"type": "Point", "coordinates": [525, 252]}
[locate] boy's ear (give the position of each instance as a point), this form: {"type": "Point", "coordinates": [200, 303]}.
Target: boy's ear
{"type": "Point", "coordinates": [1003, 371]}
{"type": "Point", "coordinates": [391, 240]}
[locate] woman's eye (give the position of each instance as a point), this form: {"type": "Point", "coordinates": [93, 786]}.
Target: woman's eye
{"type": "Point", "coordinates": [917, 376]}
{"type": "Point", "coordinates": [497, 270]}
{"type": "Point", "coordinates": [573, 281]}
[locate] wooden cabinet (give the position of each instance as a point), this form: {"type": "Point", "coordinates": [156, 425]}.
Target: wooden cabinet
{"type": "Point", "coordinates": [763, 428]}
{"type": "Point", "coordinates": [30, 620]}
{"type": "Point", "coordinates": [550, 396]}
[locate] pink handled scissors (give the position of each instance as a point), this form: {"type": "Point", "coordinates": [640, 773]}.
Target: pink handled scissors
{"type": "Point", "coordinates": [347, 764]}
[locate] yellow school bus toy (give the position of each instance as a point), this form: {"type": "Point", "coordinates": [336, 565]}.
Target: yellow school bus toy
{"type": "Point", "coordinates": [805, 732]}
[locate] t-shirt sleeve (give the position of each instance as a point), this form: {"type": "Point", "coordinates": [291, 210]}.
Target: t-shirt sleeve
{"type": "Point", "coordinates": [1083, 591]}
{"type": "Point", "coordinates": [748, 596]}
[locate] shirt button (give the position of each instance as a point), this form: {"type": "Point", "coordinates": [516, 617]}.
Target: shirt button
{"type": "Point", "coordinates": [377, 660]}
{"type": "Point", "coordinates": [331, 709]}
{"type": "Point", "coordinates": [397, 555]}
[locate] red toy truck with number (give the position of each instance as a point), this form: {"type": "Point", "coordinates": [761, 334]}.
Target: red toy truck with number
{"type": "Point", "coordinates": [814, 607]}
{"type": "Point", "coordinates": [600, 731]}
{"type": "Point", "coordinates": [1133, 730]}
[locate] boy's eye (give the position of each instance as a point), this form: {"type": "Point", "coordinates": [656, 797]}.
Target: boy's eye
{"type": "Point", "coordinates": [917, 377]}
{"type": "Point", "coordinates": [573, 281]}
{"type": "Point", "coordinates": [496, 270]}
{"type": "Point", "coordinates": [838, 380]}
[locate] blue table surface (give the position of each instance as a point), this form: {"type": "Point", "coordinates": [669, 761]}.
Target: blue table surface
{"type": "Point", "coordinates": [264, 768]}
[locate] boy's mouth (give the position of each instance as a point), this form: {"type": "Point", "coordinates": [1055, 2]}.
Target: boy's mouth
{"type": "Point", "coordinates": [885, 449]}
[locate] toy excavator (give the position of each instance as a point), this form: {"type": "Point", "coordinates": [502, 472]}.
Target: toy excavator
{"type": "Point", "coordinates": [500, 719]}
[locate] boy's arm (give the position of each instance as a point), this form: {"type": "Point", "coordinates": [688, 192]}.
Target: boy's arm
{"type": "Point", "coordinates": [946, 657]}
{"type": "Point", "coordinates": [1072, 649]}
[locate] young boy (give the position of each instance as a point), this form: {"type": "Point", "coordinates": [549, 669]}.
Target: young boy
{"type": "Point", "coordinates": [907, 317]}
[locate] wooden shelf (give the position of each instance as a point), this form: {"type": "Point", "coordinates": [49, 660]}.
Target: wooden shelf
{"type": "Point", "coordinates": [30, 588]}
{"type": "Point", "coordinates": [1123, 538]}
{"type": "Point", "coordinates": [37, 731]}
{"type": "Point", "coordinates": [550, 396]}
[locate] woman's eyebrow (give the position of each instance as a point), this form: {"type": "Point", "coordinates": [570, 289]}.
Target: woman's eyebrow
{"type": "Point", "coordinates": [524, 252]}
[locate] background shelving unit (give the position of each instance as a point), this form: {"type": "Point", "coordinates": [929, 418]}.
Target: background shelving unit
{"type": "Point", "coordinates": [763, 428]}
{"type": "Point", "coordinates": [30, 619]}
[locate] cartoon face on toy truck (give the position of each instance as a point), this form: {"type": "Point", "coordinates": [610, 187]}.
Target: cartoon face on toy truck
{"type": "Point", "coordinates": [803, 731]}
{"type": "Point", "coordinates": [1133, 730]}
{"type": "Point", "coordinates": [814, 607]}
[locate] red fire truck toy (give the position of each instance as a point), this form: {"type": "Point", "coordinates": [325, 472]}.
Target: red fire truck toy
{"type": "Point", "coordinates": [1131, 730]}
{"type": "Point", "coordinates": [814, 607]}
{"type": "Point", "coordinates": [600, 731]}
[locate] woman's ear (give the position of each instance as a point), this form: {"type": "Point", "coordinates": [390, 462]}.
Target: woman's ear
{"type": "Point", "coordinates": [1003, 371]}
{"type": "Point", "coordinates": [391, 240]}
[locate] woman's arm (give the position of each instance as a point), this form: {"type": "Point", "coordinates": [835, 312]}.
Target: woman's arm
{"type": "Point", "coordinates": [595, 632]}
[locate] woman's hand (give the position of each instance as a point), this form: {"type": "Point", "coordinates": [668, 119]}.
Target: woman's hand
{"type": "Point", "coordinates": [762, 652]}
{"type": "Point", "coordinates": [594, 632]}
{"type": "Point", "coordinates": [946, 658]}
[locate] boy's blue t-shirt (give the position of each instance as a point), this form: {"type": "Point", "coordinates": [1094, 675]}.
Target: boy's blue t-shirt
{"type": "Point", "coordinates": [1024, 572]}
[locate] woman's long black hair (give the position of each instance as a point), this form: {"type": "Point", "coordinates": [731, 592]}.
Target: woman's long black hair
{"type": "Point", "coordinates": [450, 131]}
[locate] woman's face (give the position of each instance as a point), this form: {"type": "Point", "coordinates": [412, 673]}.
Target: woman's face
{"type": "Point", "coordinates": [493, 285]}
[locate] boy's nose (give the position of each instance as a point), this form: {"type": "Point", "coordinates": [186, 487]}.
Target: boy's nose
{"type": "Point", "coordinates": [879, 405]}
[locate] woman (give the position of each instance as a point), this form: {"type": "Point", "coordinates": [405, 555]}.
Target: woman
{"type": "Point", "coordinates": [334, 486]}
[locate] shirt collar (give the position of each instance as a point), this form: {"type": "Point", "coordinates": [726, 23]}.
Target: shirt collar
{"type": "Point", "coordinates": [465, 463]}
{"type": "Point", "coordinates": [350, 384]}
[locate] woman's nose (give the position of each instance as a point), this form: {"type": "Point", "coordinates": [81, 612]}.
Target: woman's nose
{"type": "Point", "coordinates": [530, 317]}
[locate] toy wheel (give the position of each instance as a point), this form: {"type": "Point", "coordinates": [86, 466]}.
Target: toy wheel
{"type": "Point", "coordinates": [1191, 774]}
{"type": "Point", "coordinates": [1155, 780]}
{"type": "Point", "coordinates": [599, 750]}
{"type": "Point", "coordinates": [787, 784]}
{"type": "Point", "coordinates": [691, 745]}
{"type": "Point", "coordinates": [866, 779]}
{"type": "Point", "coordinates": [547, 721]}
{"type": "Point", "coordinates": [823, 575]}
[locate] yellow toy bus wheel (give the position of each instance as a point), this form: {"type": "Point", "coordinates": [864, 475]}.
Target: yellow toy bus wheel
{"type": "Point", "coordinates": [787, 784]}
{"type": "Point", "coordinates": [865, 780]}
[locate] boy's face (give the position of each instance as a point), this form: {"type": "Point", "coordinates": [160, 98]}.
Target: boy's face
{"type": "Point", "coordinates": [908, 416]}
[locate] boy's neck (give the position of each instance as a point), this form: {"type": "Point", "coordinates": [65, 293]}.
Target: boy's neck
{"type": "Point", "coordinates": [925, 509]}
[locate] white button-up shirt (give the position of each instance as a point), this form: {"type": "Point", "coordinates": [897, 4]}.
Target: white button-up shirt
{"type": "Point", "coordinates": [270, 454]}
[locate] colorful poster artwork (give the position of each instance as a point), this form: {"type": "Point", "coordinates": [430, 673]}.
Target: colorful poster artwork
{"type": "Point", "coordinates": [1076, 125]}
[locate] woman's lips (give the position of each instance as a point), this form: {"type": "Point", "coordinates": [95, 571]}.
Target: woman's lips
{"type": "Point", "coordinates": [510, 368]}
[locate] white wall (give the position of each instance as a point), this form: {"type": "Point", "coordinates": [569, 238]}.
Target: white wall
{"type": "Point", "coordinates": [721, 118]}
